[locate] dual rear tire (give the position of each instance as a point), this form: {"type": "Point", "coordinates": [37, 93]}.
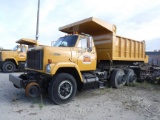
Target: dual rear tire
{"type": "Point", "coordinates": [131, 77]}
{"type": "Point", "coordinates": [121, 77]}
{"type": "Point", "coordinates": [118, 78]}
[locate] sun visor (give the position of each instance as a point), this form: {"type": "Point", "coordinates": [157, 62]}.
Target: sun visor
{"type": "Point", "coordinates": [27, 41]}
{"type": "Point", "coordinates": [90, 26]}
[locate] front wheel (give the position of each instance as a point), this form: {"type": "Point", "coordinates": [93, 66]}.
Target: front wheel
{"type": "Point", "coordinates": [8, 67]}
{"type": "Point", "coordinates": [62, 88]}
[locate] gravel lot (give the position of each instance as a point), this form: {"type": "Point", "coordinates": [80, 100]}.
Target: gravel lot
{"type": "Point", "coordinates": [141, 102]}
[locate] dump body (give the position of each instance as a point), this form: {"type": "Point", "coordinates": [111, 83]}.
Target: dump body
{"type": "Point", "coordinates": [109, 46]}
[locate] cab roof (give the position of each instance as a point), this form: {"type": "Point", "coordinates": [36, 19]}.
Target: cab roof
{"type": "Point", "coordinates": [90, 26]}
{"type": "Point", "coordinates": [27, 41]}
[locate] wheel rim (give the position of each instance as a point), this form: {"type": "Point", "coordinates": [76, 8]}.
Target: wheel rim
{"type": "Point", "coordinates": [121, 80]}
{"type": "Point", "coordinates": [9, 67]}
{"type": "Point", "coordinates": [65, 89]}
{"type": "Point", "coordinates": [33, 91]}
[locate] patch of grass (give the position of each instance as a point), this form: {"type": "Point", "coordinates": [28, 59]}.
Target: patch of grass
{"type": "Point", "coordinates": [40, 106]}
{"type": "Point", "coordinates": [136, 84]}
{"type": "Point", "coordinates": [102, 91]}
{"type": "Point", "coordinates": [148, 85]}
{"type": "Point", "coordinates": [39, 103]}
{"type": "Point", "coordinates": [110, 89]}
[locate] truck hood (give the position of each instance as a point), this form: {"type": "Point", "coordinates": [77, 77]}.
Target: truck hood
{"type": "Point", "coordinates": [7, 54]}
{"type": "Point", "coordinates": [5, 50]}
{"type": "Point", "coordinates": [59, 54]}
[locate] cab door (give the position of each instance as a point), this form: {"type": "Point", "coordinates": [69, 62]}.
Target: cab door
{"type": "Point", "coordinates": [86, 54]}
{"type": "Point", "coordinates": [22, 51]}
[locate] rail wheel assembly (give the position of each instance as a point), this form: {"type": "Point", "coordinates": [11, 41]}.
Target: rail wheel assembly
{"type": "Point", "coordinates": [32, 89]}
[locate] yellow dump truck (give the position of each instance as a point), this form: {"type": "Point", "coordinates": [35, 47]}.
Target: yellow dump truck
{"type": "Point", "coordinates": [11, 60]}
{"type": "Point", "coordinates": [91, 55]}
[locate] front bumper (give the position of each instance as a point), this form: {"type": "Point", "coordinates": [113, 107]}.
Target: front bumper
{"type": "Point", "coordinates": [16, 80]}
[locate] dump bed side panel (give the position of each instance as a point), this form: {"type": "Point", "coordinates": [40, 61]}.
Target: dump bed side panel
{"type": "Point", "coordinates": [128, 50]}
{"type": "Point", "coordinates": [112, 47]}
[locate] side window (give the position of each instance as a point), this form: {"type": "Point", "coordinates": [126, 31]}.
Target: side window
{"type": "Point", "coordinates": [85, 43]}
{"type": "Point", "coordinates": [23, 49]}
{"type": "Point", "coordinates": [82, 43]}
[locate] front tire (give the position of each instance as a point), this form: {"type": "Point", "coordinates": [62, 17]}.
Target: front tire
{"type": "Point", "coordinates": [62, 88]}
{"type": "Point", "coordinates": [8, 67]}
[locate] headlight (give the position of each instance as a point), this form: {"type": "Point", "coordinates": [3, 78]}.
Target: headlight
{"type": "Point", "coordinates": [48, 68]}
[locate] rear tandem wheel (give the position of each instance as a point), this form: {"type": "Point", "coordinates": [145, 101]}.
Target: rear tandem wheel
{"type": "Point", "coordinates": [118, 78]}
{"type": "Point", "coordinates": [131, 77]}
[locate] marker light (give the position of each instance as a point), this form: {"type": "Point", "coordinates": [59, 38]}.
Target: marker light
{"type": "Point", "coordinates": [49, 61]}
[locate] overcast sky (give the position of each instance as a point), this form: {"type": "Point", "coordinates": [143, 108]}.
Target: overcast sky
{"type": "Point", "coordinates": [136, 19]}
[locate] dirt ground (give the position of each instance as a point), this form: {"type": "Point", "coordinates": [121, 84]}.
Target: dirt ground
{"type": "Point", "coordinates": [141, 102]}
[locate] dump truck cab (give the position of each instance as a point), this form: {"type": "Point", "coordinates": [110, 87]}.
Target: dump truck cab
{"type": "Point", "coordinates": [81, 49]}
{"type": "Point", "coordinates": [69, 50]}
{"type": "Point", "coordinates": [11, 60]}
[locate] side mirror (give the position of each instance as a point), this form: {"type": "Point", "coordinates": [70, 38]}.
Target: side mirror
{"type": "Point", "coordinates": [89, 49]}
{"type": "Point", "coordinates": [52, 43]}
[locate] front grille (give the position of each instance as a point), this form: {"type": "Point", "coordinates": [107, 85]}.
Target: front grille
{"type": "Point", "coordinates": [35, 59]}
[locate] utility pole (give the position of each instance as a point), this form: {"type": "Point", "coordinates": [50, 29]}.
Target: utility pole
{"type": "Point", "coordinates": [37, 27]}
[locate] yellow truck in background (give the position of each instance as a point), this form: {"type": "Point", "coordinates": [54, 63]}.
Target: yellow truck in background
{"type": "Point", "coordinates": [91, 55]}
{"type": "Point", "coordinates": [11, 60]}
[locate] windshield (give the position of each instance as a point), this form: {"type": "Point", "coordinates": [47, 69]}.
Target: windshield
{"type": "Point", "coordinates": [15, 48]}
{"type": "Point", "coordinates": [67, 41]}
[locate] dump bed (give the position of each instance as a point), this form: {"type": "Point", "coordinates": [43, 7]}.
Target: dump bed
{"type": "Point", "coordinates": [109, 46]}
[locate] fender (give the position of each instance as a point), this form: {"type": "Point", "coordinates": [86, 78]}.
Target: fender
{"type": "Point", "coordinates": [56, 66]}
{"type": "Point", "coordinates": [11, 59]}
